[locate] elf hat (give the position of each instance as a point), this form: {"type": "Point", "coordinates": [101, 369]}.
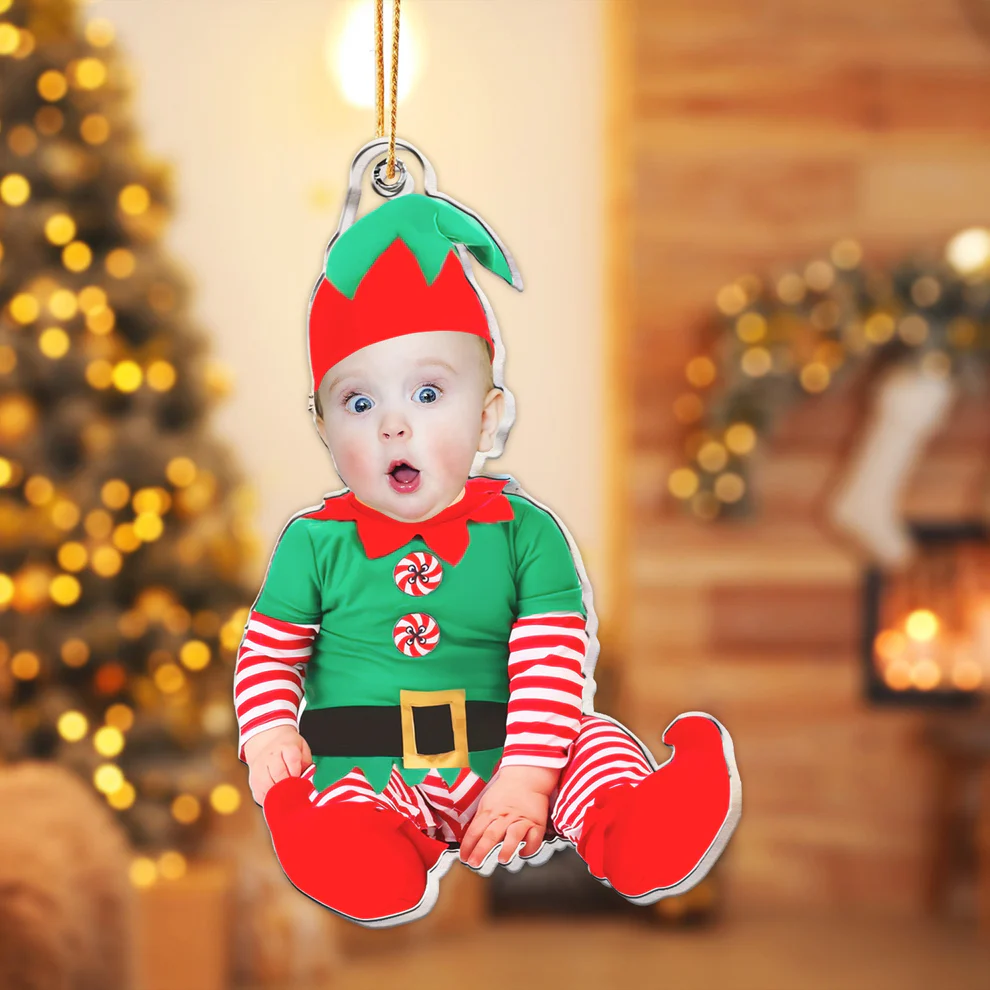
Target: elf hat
{"type": "Point", "coordinates": [396, 271]}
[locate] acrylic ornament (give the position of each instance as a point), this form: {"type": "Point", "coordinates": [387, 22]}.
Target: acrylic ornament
{"type": "Point", "coordinates": [410, 708]}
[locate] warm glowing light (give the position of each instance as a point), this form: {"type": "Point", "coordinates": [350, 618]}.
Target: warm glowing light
{"type": "Point", "coordinates": [151, 500]}
{"type": "Point", "coordinates": [922, 625]}
{"type": "Point", "coordinates": [181, 471]}
{"type": "Point", "coordinates": [127, 376]}
{"type": "Point", "coordinates": [63, 304]}
{"type": "Point", "coordinates": [98, 524]}
{"type": "Point", "coordinates": [731, 299]}
{"type": "Point", "coordinates": [819, 275]}
{"type": "Point", "coordinates": [925, 674]}
{"type": "Point", "coordinates": [740, 438]}
{"type": "Point", "coordinates": [15, 190]}
{"type": "Point", "coordinates": [225, 798]}
{"type": "Point", "coordinates": [92, 297]}
{"type": "Point", "coordinates": [890, 645]}
{"type": "Point", "coordinates": [108, 741]}
{"type": "Point", "coordinates": [161, 376]}
{"type": "Point", "coordinates": [756, 362]}
{"type": "Point", "coordinates": [101, 321]}
{"type": "Point", "coordinates": [683, 483]}
{"type": "Point", "coordinates": [49, 120]}
{"type": "Point", "coordinates": [25, 665]}
{"type": "Point", "coordinates": [791, 288]}
{"type": "Point", "coordinates": [700, 371]}
{"type": "Point", "coordinates": [95, 128]}
{"type": "Point", "coordinates": [100, 32]}
{"type": "Point", "coordinates": [108, 778]}
{"type": "Point", "coordinates": [115, 493]}
{"type": "Point", "coordinates": [143, 872]}
{"type": "Point", "coordinates": [172, 865]}
{"type": "Point", "coordinates": [91, 73]}
{"type": "Point", "coordinates": [913, 329]}
{"type": "Point", "coordinates": [65, 589]}
{"type": "Point", "coordinates": [72, 556]}
{"type": "Point", "coordinates": [120, 263]}
{"type": "Point", "coordinates": [38, 490]}
{"type": "Point", "coordinates": [846, 254]}
{"type": "Point", "coordinates": [22, 140]}
{"type": "Point", "coordinates": [169, 678]}
{"type": "Point", "coordinates": [72, 726]}
{"type": "Point", "coordinates": [123, 797]}
{"type": "Point", "coordinates": [110, 678]}
{"type": "Point", "coordinates": [967, 675]}
{"type": "Point", "coordinates": [350, 55]}
{"type": "Point", "coordinates": [10, 38]}
{"type": "Point", "coordinates": [969, 251]}
{"type": "Point", "coordinates": [124, 538]}
{"type": "Point", "coordinates": [729, 487]}
{"type": "Point", "coordinates": [65, 514]}
{"type": "Point", "coordinates": [53, 343]}
{"type": "Point", "coordinates": [24, 308]}
{"type": "Point", "coordinates": [120, 717]}
{"type": "Point", "coordinates": [815, 377]}
{"type": "Point", "coordinates": [8, 361]}
{"type": "Point", "coordinates": [99, 373]}
{"type": "Point", "coordinates": [185, 809]}
{"type": "Point", "coordinates": [134, 199]}
{"type": "Point", "coordinates": [751, 328]}
{"type": "Point", "coordinates": [148, 526]}
{"type": "Point", "coordinates": [195, 654]}
{"type": "Point", "coordinates": [6, 590]}
{"type": "Point", "coordinates": [897, 675]}
{"type": "Point", "coordinates": [713, 456]}
{"type": "Point", "coordinates": [106, 561]}
{"type": "Point", "coordinates": [879, 328]}
{"type": "Point", "coordinates": [52, 85]}
{"type": "Point", "coordinates": [75, 653]}
{"type": "Point", "coordinates": [77, 256]}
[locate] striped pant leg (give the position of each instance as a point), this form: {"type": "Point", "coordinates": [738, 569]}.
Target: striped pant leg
{"type": "Point", "coordinates": [397, 795]}
{"type": "Point", "coordinates": [453, 807]}
{"type": "Point", "coordinates": [603, 754]}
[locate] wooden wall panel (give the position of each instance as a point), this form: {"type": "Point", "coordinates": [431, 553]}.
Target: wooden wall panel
{"type": "Point", "coordinates": [748, 138]}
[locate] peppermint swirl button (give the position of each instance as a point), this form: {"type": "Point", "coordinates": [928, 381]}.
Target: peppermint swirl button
{"type": "Point", "coordinates": [418, 574]}
{"type": "Point", "coordinates": [416, 634]}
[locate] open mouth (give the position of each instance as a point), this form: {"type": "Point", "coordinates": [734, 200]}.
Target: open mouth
{"type": "Point", "coordinates": [403, 477]}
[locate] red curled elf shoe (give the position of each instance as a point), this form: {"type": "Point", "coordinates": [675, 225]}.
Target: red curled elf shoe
{"type": "Point", "coordinates": [660, 837]}
{"type": "Point", "coordinates": [359, 859]}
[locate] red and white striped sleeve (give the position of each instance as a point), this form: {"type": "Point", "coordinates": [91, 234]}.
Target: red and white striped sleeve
{"type": "Point", "coordinates": [268, 676]}
{"type": "Point", "coordinates": [546, 653]}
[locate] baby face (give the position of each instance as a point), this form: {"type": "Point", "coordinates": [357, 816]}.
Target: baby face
{"type": "Point", "coordinates": [404, 418]}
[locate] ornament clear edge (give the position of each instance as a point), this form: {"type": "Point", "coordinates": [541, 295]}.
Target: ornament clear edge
{"type": "Point", "coordinates": [404, 185]}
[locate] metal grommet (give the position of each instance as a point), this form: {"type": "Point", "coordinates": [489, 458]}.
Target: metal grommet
{"type": "Point", "coordinates": [388, 189]}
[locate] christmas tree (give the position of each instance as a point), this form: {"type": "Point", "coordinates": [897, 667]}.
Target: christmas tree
{"type": "Point", "coordinates": [124, 528]}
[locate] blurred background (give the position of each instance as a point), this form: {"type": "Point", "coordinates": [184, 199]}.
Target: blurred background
{"type": "Point", "coordinates": [750, 367]}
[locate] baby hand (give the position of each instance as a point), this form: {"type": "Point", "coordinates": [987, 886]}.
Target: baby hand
{"type": "Point", "coordinates": [273, 755]}
{"type": "Point", "coordinates": [513, 809]}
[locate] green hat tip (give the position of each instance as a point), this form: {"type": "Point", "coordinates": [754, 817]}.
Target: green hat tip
{"type": "Point", "coordinates": [429, 226]}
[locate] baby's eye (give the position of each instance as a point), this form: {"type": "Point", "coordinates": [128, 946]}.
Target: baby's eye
{"type": "Point", "coordinates": [427, 393]}
{"type": "Point", "coordinates": [357, 403]}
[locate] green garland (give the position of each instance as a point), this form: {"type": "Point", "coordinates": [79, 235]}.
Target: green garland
{"type": "Point", "coordinates": [776, 344]}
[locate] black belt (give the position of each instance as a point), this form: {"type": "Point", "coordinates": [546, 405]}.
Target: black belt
{"type": "Point", "coordinates": [376, 730]}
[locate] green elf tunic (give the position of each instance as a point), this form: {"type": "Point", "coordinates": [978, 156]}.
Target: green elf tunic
{"type": "Point", "coordinates": [423, 615]}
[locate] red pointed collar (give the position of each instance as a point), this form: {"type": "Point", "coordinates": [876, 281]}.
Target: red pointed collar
{"type": "Point", "coordinates": [446, 533]}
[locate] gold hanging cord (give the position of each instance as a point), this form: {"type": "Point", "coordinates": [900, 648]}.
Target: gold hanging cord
{"type": "Point", "coordinates": [380, 79]}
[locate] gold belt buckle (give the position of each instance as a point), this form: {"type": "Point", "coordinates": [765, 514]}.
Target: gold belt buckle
{"type": "Point", "coordinates": [411, 757]}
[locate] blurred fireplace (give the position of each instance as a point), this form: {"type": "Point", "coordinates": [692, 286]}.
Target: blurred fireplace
{"type": "Point", "coordinates": [926, 630]}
